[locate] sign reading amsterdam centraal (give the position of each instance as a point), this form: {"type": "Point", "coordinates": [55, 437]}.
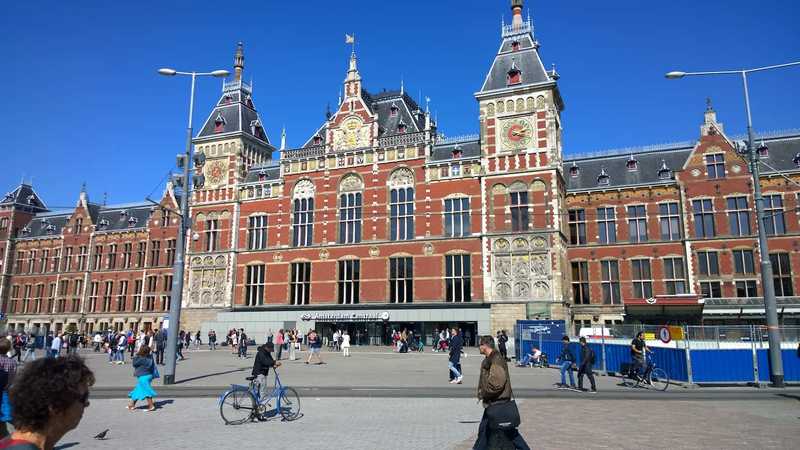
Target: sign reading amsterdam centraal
{"type": "Point", "coordinates": [346, 317]}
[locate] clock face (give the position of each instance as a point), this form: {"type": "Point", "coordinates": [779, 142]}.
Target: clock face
{"type": "Point", "coordinates": [215, 172]}
{"type": "Point", "coordinates": [517, 134]}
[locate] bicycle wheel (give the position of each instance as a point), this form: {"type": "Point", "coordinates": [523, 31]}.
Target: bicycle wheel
{"type": "Point", "coordinates": [659, 379]}
{"type": "Point", "coordinates": [237, 407]}
{"type": "Point", "coordinates": [289, 404]}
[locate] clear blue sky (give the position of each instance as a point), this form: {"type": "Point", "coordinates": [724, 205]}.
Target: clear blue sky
{"type": "Point", "coordinates": [83, 101]}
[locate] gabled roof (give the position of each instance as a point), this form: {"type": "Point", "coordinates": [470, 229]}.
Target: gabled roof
{"type": "Point", "coordinates": [526, 59]}
{"type": "Point", "coordinates": [236, 113]}
{"type": "Point", "coordinates": [269, 171]}
{"type": "Point", "coordinates": [24, 196]}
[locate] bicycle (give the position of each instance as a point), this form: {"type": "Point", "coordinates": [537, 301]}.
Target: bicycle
{"type": "Point", "coordinates": [242, 404]}
{"type": "Point", "coordinates": [654, 377]}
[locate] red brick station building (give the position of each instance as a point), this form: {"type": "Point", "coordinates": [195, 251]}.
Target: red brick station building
{"type": "Point", "coordinates": [378, 222]}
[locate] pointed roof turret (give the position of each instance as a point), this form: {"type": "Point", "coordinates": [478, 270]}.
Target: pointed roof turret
{"type": "Point", "coordinates": [238, 62]}
{"type": "Point", "coordinates": [352, 82]}
{"type": "Point", "coordinates": [23, 197]}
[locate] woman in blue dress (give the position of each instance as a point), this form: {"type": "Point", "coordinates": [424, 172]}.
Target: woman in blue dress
{"type": "Point", "coordinates": [144, 369]}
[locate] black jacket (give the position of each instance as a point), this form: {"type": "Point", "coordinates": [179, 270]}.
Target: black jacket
{"type": "Point", "coordinates": [456, 343]}
{"type": "Point", "coordinates": [566, 354]}
{"type": "Point", "coordinates": [587, 356]}
{"type": "Point", "coordinates": [263, 362]}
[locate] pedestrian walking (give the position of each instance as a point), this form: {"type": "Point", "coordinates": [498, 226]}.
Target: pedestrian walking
{"type": "Point", "coordinates": [502, 339]}
{"type": "Point", "coordinates": [212, 340]}
{"type": "Point", "coordinates": [30, 348]}
{"type": "Point", "coordinates": [55, 346]}
{"type": "Point", "coordinates": [144, 369]}
{"type": "Point", "coordinates": [279, 340]}
{"type": "Point", "coordinates": [242, 344]}
{"type": "Point", "coordinates": [345, 343]}
{"type": "Point", "coordinates": [292, 345]}
{"type": "Point", "coordinates": [179, 351]}
{"type": "Point", "coordinates": [566, 359]}
{"type": "Point", "coordinates": [197, 341]}
{"type": "Point", "coordinates": [18, 342]}
{"type": "Point", "coordinates": [314, 347]}
{"type": "Point", "coordinates": [161, 344]}
{"type": "Point", "coordinates": [48, 399]}
{"type": "Point", "coordinates": [455, 357]}
{"type": "Point", "coordinates": [500, 420]}
{"type": "Point", "coordinates": [121, 345]}
{"type": "Point", "coordinates": [97, 340]}
{"type": "Point", "coordinates": [587, 361]}
{"type": "Point", "coordinates": [8, 370]}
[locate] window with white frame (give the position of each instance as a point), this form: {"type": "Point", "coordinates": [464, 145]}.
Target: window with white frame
{"type": "Point", "coordinates": [703, 211]}
{"type": "Point", "coordinates": [349, 280]}
{"type": "Point", "coordinates": [606, 225]}
{"type": "Point", "coordinates": [715, 166]}
{"type": "Point", "coordinates": [773, 214]}
{"type": "Point", "coordinates": [642, 278]}
{"type": "Point", "coordinates": [519, 211]}
{"type": "Point", "coordinates": [401, 213]}
{"type": "Point", "coordinates": [212, 235]}
{"type": "Point", "coordinates": [257, 232]}
{"type": "Point", "coordinates": [122, 295]}
{"type": "Point", "coordinates": [255, 283]}
{"type": "Point", "coordinates": [457, 273]}
{"type": "Point", "coordinates": [456, 217]}
{"type": "Point", "coordinates": [781, 274]}
{"type": "Point", "coordinates": [738, 216]}
{"type": "Point", "coordinates": [401, 275]}
{"type": "Point", "coordinates": [669, 221]}
{"type": "Point", "coordinates": [577, 226]}
{"type": "Point", "coordinates": [580, 282]}
{"type": "Point", "coordinates": [107, 293]}
{"type": "Point", "coordinates": [609, 273]}
{"type": "Point", "coordinates": [350, 217]}
{"type": "Point", "coordinates": [300, 284]}
{"type": "Point", "coordinates": [302, 222]}
{"type": "Point", "coordinates": [637, 223]}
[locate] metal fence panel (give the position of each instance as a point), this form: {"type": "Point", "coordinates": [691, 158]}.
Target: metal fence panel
{"type": "Point", "coordinates": [718, 366]}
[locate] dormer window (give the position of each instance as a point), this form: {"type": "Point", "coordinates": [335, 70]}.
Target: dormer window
{"type": "Point", "coordinates": [457, 152]}
{"type": "Point", "coordinates": [664, 173]}
{"type": "Point", "coordinates": [219, 123]}
{"type": "Point", "coordinates": [248, 101]}
{"type": "Point", "coordinates": [401, 127]}
{"type": "Point", "coordinates": [514, 74]}
{"type": "Point", "coordinates": [132, 221]}
{"type": "Point", "coordinates": [256, 129]}
{"type": "Point", "coordinates": [574, 171]}
{"type": "Point", "coordinates": [632, 164]}
{"type": "Point", "coordinates": [227, 99]}
{"type": "Point", "coordinates": [603, 179]}
{"type": "Point", "coordinates": [796, 160]}
{"type": "Point", "coordinates": [763, 151]}
{"type": "Point", "coordinates": [515, 46]}
{"type": "Point", "coordinates": [317, 140]}
{"type": "Point", "coordinates": [32, 200]}
{"type": "Point", "coordinates": [50, 229]}
{"type": "Point", "coordinates": [123, 213]}
{"type": "Point", "coordinates": [103, 224]}
{"type": "Point", "coordinates": [26, 230]}
{"type": "Point", "coordinates": [262, 175]}
{"type": "Point", "coordinates": [393, 110]}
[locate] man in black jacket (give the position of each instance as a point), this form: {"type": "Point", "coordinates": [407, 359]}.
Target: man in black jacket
{"type": "Point", "coordinates": [566, 360]}
{"type": "Point", "coordinates": [261, 365]}
{"type": "Point", "coordinates": [587, 360]}
{"type": "Point", "coordinates": [161, 344]}
{"type": "Point", "coordinates": [456, 343]}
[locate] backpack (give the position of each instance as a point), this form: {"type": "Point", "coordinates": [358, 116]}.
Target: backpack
{"type": "Point", "coordinates": [131, 340]}
{"type": "Point", "coordinates": [73, 340]}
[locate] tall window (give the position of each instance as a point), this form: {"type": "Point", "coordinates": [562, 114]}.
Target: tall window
{"type": "Point", "coordinates": [68, 260]}
{"type": "Point", "coordinates": [155, 253]}
{"type": "Point", "coordinates": [150, 298]}
{"type": "Point", "coordinates": [255, 284]}
{"type": "Point", "coordinates": [738, 216]}
{"type": "Point", "coordinates": [401, 211]}
{"type": "Point", "coordinates": [82, 257]}
{"type": "Point", "coordinates": [457, 272]}
{"type": "Point", "coordinates": [165, 216]}
{"type": "Point", "coordinates": [256, 232]}
{"type": "Point", "coordinates": [78, 225]}
{"type": "Point", "coordinates": [609, 271]}
{"type": "Point", "coordinates": [580, 282]}
{"type": "Point", "coordinates": [31, 261]}
{"type": "Point", "coordinates": [519, 211]}
{"type": "Point", "coordinates": [401, 274]}
{"type": "Point", "coordinates": [744, 262]}
{"type": "Point", "coordinates": [137, 295]}
{"type": "Point", "coordinates": [674, 276]}
{"type": "Point", "coordinates": [773, 214]}
{"type": "Point", "coordinates": [300, 284]}
{"type": "Point", "coordinates": [20, 261]}
{"type": "Point", "coordinates": [107, 293]}
{"type": "Point", "coordinates": [77, 288]}
{"type": "Point", "coordinates": [170, 252]}
{"type": "Point", "coordinates": [349, 278]}
{"type": "Point", "coordinates": [43, 259]}
{"type": "Point", "coordinates": [212, 235]}
{"type": "Point", "coordinates": [56, 259]}
{"type": "Point", "coordinates": [669, 221]}
{"type": "Point", "coordinates": [456, 217]}
{"type": "Point", "coordinates": [637, 223]}
{"type": "Point", "coordinates": [112, 256]}
{"type": "Point", "coordinates": [93, 292]}
{"type": "Point", "coordinates": [708, 266]}
{"type": "Point", "coordinates": [127, 252]}
{"type": "Point", "coordinates": [746, 288]}
{"type": "Point", "coordinates": [642, 278]}
{"type": "Point", "coordinates": [122, 294]}
{"type": "Point", "coordinates": [302, 222]}
{"type": "Point", "coordinates": [140, 252]}
{"type": "Point", "coordinates": [98, 257]}
{"type": "Point", "coordinates": [715, 166]}
{"type": "Point", "coordinates": [350, 218]}
{"type": "Point", "coordinates": [781, 274]}
{"type": "Point", "coordinates": [607, 225]}
{"type": "Point", "coordinates": [703, 218]}
{"type": "Point", "coordinates": [577, 226]}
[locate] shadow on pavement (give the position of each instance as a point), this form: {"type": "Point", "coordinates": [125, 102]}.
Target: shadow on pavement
{"type": "Point", "coordinates": [160, 403]}
{"type": "Point", "coordinates": [186, 380]}
{"type": "Point", "coordinates": [67, 445]}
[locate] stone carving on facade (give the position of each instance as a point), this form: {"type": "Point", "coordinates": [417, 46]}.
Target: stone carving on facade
{"type": "Point", "coordinates": [540, 265]}
{"type": "Point", "coordinates": [541, 290]}
{"type": "Point", "coordinates": [401, 178]}
{"type": "Point", "coordinates": [304, 188]}
{"type": "Point", "coordinates": [502, 266]}
{"type": "Point", "coordinates": [427, 249]}
{"type": "Point", "coordinates": [538, 243]}
{"type": "Point", "coordinates": [351, 183]}
{"type": "Point", "coordinates": [503, 290]}
{"type": "Point", "coordinates": [522, 290]}
{"type": "Point", "coordinates": [207, 275]}
{"type": "Point", "coordinates": [324, 254]}
{"type": "Point", "coordinates": [520, 267]}
{"type": "Point", "coordinates": [540, 102]}
{"type": "Point", "coordinates": [374, 251]}
{"type": "Point", "coordinates": [521, 263]}
{"type": "Point", "coordinates": [501, 245]}
{"type": "Point", "coordinates": [277, 256]}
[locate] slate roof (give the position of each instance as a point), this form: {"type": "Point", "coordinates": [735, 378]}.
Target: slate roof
{"type": "Point", "coordinates": [271, 172]}
{"type": "Point", "coordinates": [238, 114]}
{"type": "Point", "coordinates": [782, 153]}
{"type": "Point", "coordinates": [124, 217]}
{"type": "Point", "coordinates": [45, 224]}
{"type": "Point", "coordinates": [526, 59]}
{"type": "Point", "coordinates": [24, 196]}
{"type": "Point", "coordinates": [444, 152]}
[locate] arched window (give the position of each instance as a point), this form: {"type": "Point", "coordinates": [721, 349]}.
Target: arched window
{"type": "Point", "coordinates": [401, 205]}
{"type": "Point", "coordinates": [350, 202]}
{"type": "Point", "coordinates": [303, 213]}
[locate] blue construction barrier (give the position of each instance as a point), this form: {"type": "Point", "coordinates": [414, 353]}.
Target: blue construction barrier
{"type": "Point", "coordinates": [791, 365]}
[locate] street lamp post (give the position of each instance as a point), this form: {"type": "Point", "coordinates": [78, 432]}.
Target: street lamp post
{"type": "Point", "coordinates": [173, 326]}
{"type": "Point", "coordinates": [770, 308]}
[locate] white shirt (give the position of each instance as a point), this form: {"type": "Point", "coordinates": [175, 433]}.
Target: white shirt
{"type": "Point", "coordinates": [56, 345]}
{"type": "Point", "coordinates": [346, 340]}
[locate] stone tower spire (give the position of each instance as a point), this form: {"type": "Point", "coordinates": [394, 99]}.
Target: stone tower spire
{"type": "Point", "coordinates": [516, 10]}
{"type": "Point", "coordinates": [238, 62]}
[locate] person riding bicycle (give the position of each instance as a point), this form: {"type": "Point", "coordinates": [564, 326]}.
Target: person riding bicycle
{"type": "Point", "coordinates": [639, 350]}
{"type": "Point", "coordinates": [262, 364]}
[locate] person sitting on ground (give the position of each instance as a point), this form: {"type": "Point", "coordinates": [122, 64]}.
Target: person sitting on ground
{"type": "Point", "coordinates": [532, 358]}
{"type": "Point", "coordinates": [48, 399]}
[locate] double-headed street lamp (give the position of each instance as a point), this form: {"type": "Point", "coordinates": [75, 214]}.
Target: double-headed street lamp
{"type": "Point", "coordinates": [775, 360]}
{"type": "Point", "coordinates": [173, 326]}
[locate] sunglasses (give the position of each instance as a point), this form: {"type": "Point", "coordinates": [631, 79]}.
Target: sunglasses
{"type": "Point", "coordinates": [84, 400]}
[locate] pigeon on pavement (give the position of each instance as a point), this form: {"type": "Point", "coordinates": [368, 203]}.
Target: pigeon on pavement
{"type": "Point", "coordinates": [102, 435]}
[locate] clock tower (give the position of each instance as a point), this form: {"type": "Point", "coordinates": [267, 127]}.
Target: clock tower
{"type": "Point", "coordinates": [523, 188]}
